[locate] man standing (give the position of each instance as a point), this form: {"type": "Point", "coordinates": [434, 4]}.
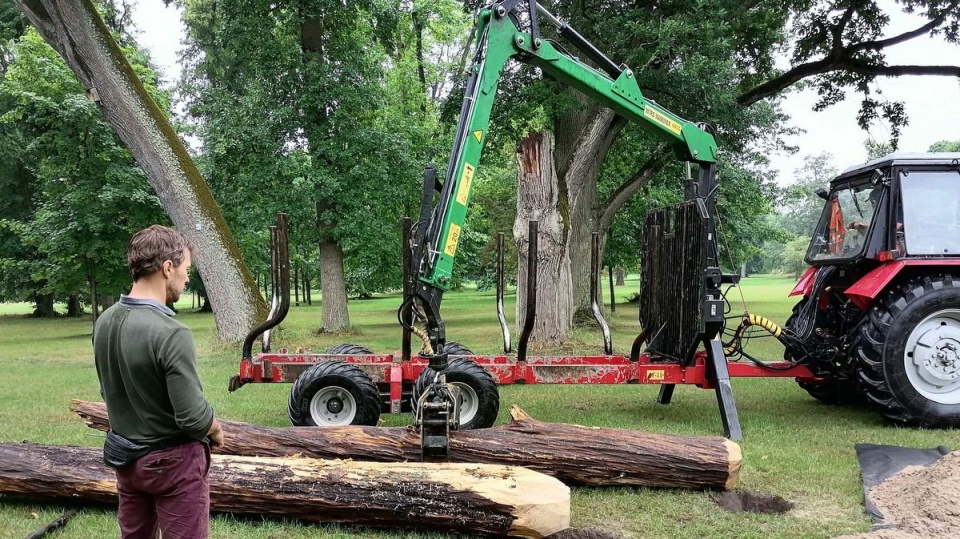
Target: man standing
{"type": "Point", "coordinates": [160, 422]}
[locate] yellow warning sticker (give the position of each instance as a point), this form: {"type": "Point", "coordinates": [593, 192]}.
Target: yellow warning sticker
{"type": "Point", "coordinates": [479, 135]}
{"type": "Point", "coordinates": [466, 179]}
{"type": "Point", "coordinates": [656, 376]}
{"type": "Point", "coordinates": [662, 119]}
{"type": "Point", "coordinates": [452, 240]}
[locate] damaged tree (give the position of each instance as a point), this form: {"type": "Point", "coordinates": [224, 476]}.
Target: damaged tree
{"type": "Point", "coordinates": [576, 455]}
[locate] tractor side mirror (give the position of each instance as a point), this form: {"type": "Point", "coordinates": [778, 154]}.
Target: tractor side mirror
{"type": "Point", "coordinates": [822, 193]}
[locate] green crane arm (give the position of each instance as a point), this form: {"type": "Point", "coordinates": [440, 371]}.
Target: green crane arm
{"type": "Point", "coordinates": [498, 40]}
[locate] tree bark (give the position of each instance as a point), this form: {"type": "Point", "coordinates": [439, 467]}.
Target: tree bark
{"type": "Point", "coordinates": [76, 31]}
{"type": "Point", "coordinates": [43, 306]}
{"type": "Point", "coordinates": [74, 307]}
{"type": "Point", "coordinates": [540, 197]}
{"type": "Point", "coordinates": [619, 276]}
{"type": "Point", "coordinates": [578, 456]}
{"type": "Point", "coordinates": [333, 289]}
{"type": "Point", "coordinates": [591, 134]}
{"type": "Point", "coordinates": [458, 498]}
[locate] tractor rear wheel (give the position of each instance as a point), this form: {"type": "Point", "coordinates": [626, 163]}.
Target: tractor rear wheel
{"type": "Point", "coordinates": [910, 353]}
{"type": "Point", "coordinates": [478, 390]}
{"type": "Point", "coordinates": [334, 393]}
{"type": "Point", "coordinates": [831, 391]}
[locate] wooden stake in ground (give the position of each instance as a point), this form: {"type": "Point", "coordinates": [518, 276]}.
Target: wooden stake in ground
{"type": "Point", "coordinates": [574, 454]}
{"type": "Point", "coordinates": [459, 498]}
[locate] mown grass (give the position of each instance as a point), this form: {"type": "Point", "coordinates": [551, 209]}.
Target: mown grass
{"type": "Point", "coordinates": [794, 446]}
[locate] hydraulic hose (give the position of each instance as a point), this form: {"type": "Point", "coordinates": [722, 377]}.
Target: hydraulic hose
{"type": "Point", "coordinates": [751, 320]}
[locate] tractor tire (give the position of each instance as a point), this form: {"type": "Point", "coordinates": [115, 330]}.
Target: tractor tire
{"type": "Point", "coordinates": [830, 391]}
{"type": "Point", "coordinates": [909, 353]}
{"type": "Point", "coordinates": [481, 399]}
{"type": "Point", "coordinates": [334, 393]}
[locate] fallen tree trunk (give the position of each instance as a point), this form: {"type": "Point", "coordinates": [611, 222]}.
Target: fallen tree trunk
{"type": "Point", "coordinates": [574, 454]}
{"type": "Point", "coordinates": [462, 498]}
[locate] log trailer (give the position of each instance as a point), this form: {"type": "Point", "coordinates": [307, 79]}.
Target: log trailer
{"type": "Point", "coordinates": [683, 312]}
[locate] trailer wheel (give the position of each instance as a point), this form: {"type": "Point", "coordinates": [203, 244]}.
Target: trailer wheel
{"type": "Point", "coordinates": [334, 393]}
{"type": "Point", "coordinates": [481, 399]}
{"type": "Point", "coordinates": [833, 391]}
{"type": "Point", "coordinates": [910, 353]}
{"type": "Point", "coordinates": [348, 349]}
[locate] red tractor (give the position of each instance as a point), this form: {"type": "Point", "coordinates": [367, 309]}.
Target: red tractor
{"type": "Point", "coordinates": [880, 314]}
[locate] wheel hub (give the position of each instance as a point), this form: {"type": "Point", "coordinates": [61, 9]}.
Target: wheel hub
{"type": "Point", "coordinates": [938, 355]}
{"type": "Point", "coordinates": [932, 357]}
{"type": "Point", "coordinates": [335, 405]}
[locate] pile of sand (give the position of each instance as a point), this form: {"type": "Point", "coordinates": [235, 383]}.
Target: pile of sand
{"type": "Point", "coordinates": [920, 502]}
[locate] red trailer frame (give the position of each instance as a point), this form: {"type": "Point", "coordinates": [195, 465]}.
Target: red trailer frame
{"type": "Point", "coordinates": [394, 377]}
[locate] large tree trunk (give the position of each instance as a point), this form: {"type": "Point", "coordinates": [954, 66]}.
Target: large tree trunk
{"type": "Point", "coordinates": [460, 498]}
{"type": "Point", "coordinates": [583, 140]}
{"type": "Point", "coordinates": [74, 307]}
{"type": "Point", "coordinates": [43, 306]}
{"type": "Point", "coordinates": [333, 289]}
{"type": "Point", "coordinates": [75, 30]}
{"type": "Point", "coordinates": [540, 197]}
{"type": "Point", "coordinates": [576, 455]}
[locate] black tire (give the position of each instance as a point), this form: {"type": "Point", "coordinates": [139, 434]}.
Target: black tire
{"type": "Point", "coordinates": [453, 348]}
{"type": "Point", "coordinates": [481, 399]}
{"type": "Point", "coordinates": [348, 349]}
{"type": "Point", "coordinates": [333, 393]}
{"type": "Point", "coordinates": [924, 310]}
{"type": "Point", "coordinates": [832, 391]}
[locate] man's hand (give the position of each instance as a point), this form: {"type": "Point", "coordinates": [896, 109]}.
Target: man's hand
{"type": "Point", "coordinates": [215, 434]}
{"type": "Point", "coordinates": [858, 225]}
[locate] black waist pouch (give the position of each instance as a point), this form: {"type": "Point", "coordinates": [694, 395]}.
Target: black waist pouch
{"type": "Point", "coordinates": [119, 452]}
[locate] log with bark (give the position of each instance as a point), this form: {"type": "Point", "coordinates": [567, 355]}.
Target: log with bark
{"type": "Point", "coordinates": [461, 498]}
{"type": "Point", "coordinates": [576, 455]}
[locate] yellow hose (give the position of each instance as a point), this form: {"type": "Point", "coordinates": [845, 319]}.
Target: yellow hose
{"type": "Point", "coordinates": [765, 323]}
{"type": "Point", "coordinates": [751, 320]}
{"type": "Point", "coordinates": [423, 337]}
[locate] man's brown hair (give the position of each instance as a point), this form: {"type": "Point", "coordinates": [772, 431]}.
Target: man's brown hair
{"type": "Point", "coordinates": [149, 248]}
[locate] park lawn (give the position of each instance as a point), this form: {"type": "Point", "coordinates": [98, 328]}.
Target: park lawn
{"type": "Point", "coordinates": [794, 446]}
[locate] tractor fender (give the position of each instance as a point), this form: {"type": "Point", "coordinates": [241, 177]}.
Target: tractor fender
{"type": "Point", "coordinates": [805, 283]}
{"type": "Point", "coordinates": [864, 291]}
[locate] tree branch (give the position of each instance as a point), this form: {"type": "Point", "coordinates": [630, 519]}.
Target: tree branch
{"type": "Point", "coordinates": [904, 70]}
{"type": "Point", "coordinates": [906, 36]}
{"type": "Point", "coordinates": [843, 59]}
{"type": "Point", "coordinates": [785, 80]}
{"type": "Point", "coordinates": [837, 50]}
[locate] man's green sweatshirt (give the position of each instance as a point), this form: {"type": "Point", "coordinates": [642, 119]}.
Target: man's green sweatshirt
{"type": "Point", "coordinates": [148, 374]}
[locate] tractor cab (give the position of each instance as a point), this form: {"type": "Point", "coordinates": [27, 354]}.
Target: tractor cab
{"type": "Point", "coordinates": [898, 206]}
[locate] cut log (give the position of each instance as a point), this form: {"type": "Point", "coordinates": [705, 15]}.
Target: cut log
{"type": "Point", "coordinates": [459, 498]}
{"type": "Point", "coordinates": [574, 454]}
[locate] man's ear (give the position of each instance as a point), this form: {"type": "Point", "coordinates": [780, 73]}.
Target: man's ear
{"type": "Point", "coordinates": [167, 267]}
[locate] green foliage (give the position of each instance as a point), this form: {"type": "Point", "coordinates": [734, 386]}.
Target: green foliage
{"type": "Point", "coordinates": [876, 150]}
{"type": "Point", "coordinates": [313, 109]}
{"type": "Point", "coordinates": [74, 195]}
{"type": "Point", "coordinates": [799, 206]}
{"type": "Point", "coordinates": [793, 253]}
{"type": "Point", "coordinates": [946, 146]}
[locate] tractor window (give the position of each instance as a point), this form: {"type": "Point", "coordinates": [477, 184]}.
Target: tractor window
{"type": "Point", "coordinates": [845, 222]}
{"type": "Point", "coordinates": [931, 212]}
